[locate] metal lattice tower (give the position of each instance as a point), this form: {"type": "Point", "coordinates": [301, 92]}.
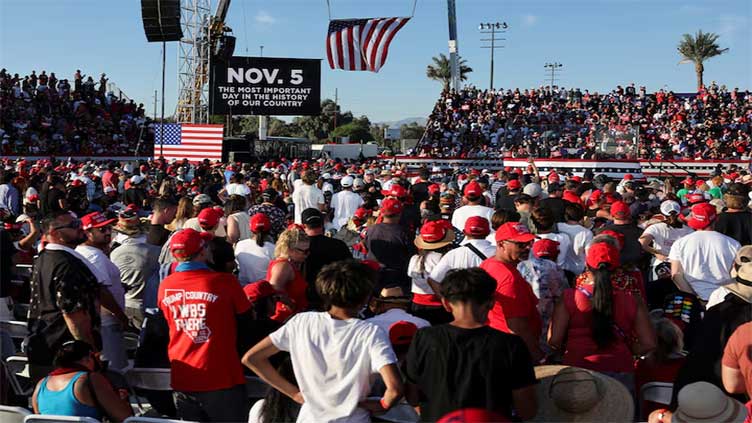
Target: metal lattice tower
{"type": "Point", "coordinates": [193, 62]}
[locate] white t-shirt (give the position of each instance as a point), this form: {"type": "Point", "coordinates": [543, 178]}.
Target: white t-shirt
{"type": "Point", "coordinates": [237, 189]}
{"type": "Point", "coordinates": [254, 416]}
{"type": "Point", "coordinates": [219, 231]}
{"type": "Point", "coordinates": [394, 315]}
{"type": "Point", "coordinates": [253, 261]}
{"type": "Point", "coordinates": [420, 279]}
{"type": "Point", "coordinates": [664, 236]}
{"type": "Point", "coordinates": [462, 258]}
{"type": "Point", "coordinates": [706, 257]}
{"type": "Point", "coordinates": [345, 203]}
{"type": "Point", "coordinates": [108, 274]}
{"type": "Point", "coordinates": [717, 297]}
{"type": "Point", "coordinates": [580, 237]}
{"type": "Point", "coordinates": [463, 213]}
{"type": "Point", "coordinates": [306, 197]}
{"type": "Point", "coordinates": [565, 258]}
{"type": "Point", "coordinates": [334, 363]}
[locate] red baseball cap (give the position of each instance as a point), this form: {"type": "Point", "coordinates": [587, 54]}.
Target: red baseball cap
{"type": "Point", "coordinates": [600, 253]}
{"type": "Point", "coordinates": [391, 207]}
{"type": "Point", "coordinates": [576, 178]}
{"type": "Point", "coordinates": [514, 184]}
{"type": "Point", "coordinates": [514, 231]}
{"type": "Point", "coordinates": [477, 226]}
{"type": "Point", "coordinates": [472, 189]}
{"type": "Point", "coordinates": [402, 332]}
{"type": "Point", "coordinates": [209, 217]}
{"type": "Point", "coordinates": [396, 190]}
{"type": "Point", "coordinates": [361, 213]}
{"type": "Point", "coordinates": [546, 248]}
{"type": "Point", "coordinates": [620, 210]}
{"type": "Point", "coordinates": [260, 223]}
{"type": "Point", "coordinates": [188, 242]}
{"type": "Point", "coordinates": [628, 177]}
{"type": "Point", "coordinates": [553, 177]}
{"type": "Point", "coordinates": [702, 215]}
{"type": "Point", "coordinates": [618, 236]}
{"type": "Point", "coordinates": [698, 183]}
{"type": "Point", "coordinates": [434, 189]}
{"type": "Point", "coordinates": [688, 181]}
{"type": "Point", "coordinates": [95, 220]}
{"type": "Point", "coordinates": [695, 198]}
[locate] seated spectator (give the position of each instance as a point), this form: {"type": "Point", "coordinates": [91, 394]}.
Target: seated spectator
{"type": "Point", "coordinates": [76, 388]}
{"type": "Point", "coordinates": [466, 364]}
{"type": "Point", "coordinates": [333, 345]}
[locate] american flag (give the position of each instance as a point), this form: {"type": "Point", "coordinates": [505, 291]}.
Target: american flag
{"type": "Point", "coordinates": [189, 141]}
{"type": "Point", "coordinates": [361, 44]}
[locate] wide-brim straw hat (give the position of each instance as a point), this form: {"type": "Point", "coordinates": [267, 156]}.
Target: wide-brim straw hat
{"type": "Point", "coordinates": [423, 245]}
{"type": "Point", "coordinates": [572, 394]}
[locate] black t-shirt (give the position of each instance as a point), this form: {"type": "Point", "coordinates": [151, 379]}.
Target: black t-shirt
{"type": "Point", "coordinates": [460, 368]}
{"type": "Point", "coordinates": [419, 190]}
{"type": "Point", "coordinates": [6, 262]}
{"type": "Point", "coordinates": [135, 196]}
{"type": "Point", "coordinates": [736, 225]}
{"type": "Point", "coordinates": [390, 245]}
{"type": "Point", "coordinates": [632, 252]}
{"type": "Point", "coordinates": [157, 235]}
{"type": "Point", "coordinates": [324, 250]}
{"type": "Point", "coordinates": [505, 200]}
{"type": "Point", "coordinates": [53, 200]}
{"type": "Point", "coordinates": [557, 206]}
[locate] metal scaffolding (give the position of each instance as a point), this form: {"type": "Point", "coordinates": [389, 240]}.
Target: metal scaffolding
{"type": "Point", "coordinates": [193, 62]}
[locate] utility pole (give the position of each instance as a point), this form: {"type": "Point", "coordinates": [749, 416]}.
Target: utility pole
{"type": "Point", "coordinates": [335, 110]}
{"type": "Point", "coordinates": [453, 46]}
{"type": "Point", "coordinates": [155, 104]}
{"type": "Point", "coordinates": [263, 127]}
{"type": "Point", "coordinates": [492, 29]}
{"type": "Point", "coordinates": [553, 67]}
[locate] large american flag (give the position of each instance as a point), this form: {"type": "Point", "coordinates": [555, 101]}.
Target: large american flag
{"type": "Point", "coordinates": [189, 141]}
{"type": "Point", "coordinates": [361, 44]}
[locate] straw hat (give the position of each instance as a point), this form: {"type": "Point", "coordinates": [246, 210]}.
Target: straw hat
{"type": "Point", "coordinates": [129, 224]}
{"type": "Point", "coordinates": [434, 235]}
{"type": "Point", "coordinates": [572, 394]}
{"type": "Point", "coordinates": [703, 402]}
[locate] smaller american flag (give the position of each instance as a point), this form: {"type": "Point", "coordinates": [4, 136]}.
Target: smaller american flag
{"type": "Point", "coordinates": [189, 141]}
{"type": "Point", "coordinates": [361, 44]}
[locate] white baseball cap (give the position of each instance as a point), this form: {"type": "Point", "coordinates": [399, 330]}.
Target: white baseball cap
{"type": "Point", "coordinates": [347, 181]}
{"type": "Point", "coordinates": [136, 179]}
{"type": "Point", "coordinates": [669, 206]}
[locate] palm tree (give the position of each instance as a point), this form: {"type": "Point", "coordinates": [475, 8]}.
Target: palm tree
{"type": "Point", "coordinates": [698, 49]}
{"type": "Point", "coordinates": [441, 70]}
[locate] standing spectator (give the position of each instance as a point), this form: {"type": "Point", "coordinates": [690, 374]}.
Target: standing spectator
{"type": "Point", "coordinates": [736, 370]}
{"type": "Point", "coordinates": [473, 199]}
{"type": "Point", "coordinates": [658, 238]}
{"type": "Point", "coordinates": [202, 308]}
{"type": "Point", "coordinates": [98, 232]}
{"type": "Point", "coordinates": [345, 202]}
{"type": "Point", "coordinates": [579, 235]}
{"type": "Point", "coordinates": [515, 305]}
{"type": "Point", "coordinates": [136, 194]}
{"type": "Point", "coordinates": [389, 244]}
{"type": "Point", "coordinates": [164, 210]}
{"type": "Point", "coordinates": [702, 260]}
{"type": "Point", "coordinates": [275, 214]}
{"type": "Point", "coordinates": [333, 345]}
{"type": "Point", "coordinates": [285, 272]}
{"type": "Point", "coordinates": [631, 251]}
{"type": "Point", "coordinates": [307, 196]}
{"type": "Point", "coordinates": [433, 241]}
{"type": "Point", "coordinates": [474, 249]}
{"type": "Point", "coordinates": [185, 212]}
{"type": "Point", "coordinates": [554, 201]}
{"type": "Point", "coordinates": [253, 255]}
{"type": "Point", "coordinates": [64, 295]}
{"type": "Point", "coordinates": [545, 227]}
{"type": "Point", "coordinates": [10, 198]}
{"type": "Point", "coordinates": [736, 220]}
{"type": "Point", "coordinates": [324, 249]}
{"type": "Point", "coordinates": [599, 323]}
{"type": "Point", "coordinates": [55, 198]}
{"type": "Point", "coordinates": [466, 363]}
{"type": "Point", "coordinates": [238, 220]}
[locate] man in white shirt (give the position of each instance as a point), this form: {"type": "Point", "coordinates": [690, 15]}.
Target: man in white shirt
{"type": "Point", "coordinates": [474, 249]}
{"type": "Point", "coordinates": [307, 196]}
{"type": "Point", "coordinates": [579, 236]}
{"type": "Point", "coordinates": [390, 307]}
{"type": "Point", "coordinates": [473, 197]}
{"type": "Point", "coordinates": [702, 260]}
{"type": "Point", "coordinates": [98, 232]}
{"type": "Point", "coordinates": [658, 238]}
{"type": "Point", "coordinates": [345, 203]}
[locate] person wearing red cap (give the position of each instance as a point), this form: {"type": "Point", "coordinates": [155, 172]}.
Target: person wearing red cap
{"type": "Point", "coordinates": [204, 311]}
{"type": "Point", "coordinates": [98, 230]}
{"type": "Point", "coordinates": [434, 240]}
{"type": "Point", "coordinates": [254, 254]}
{"type": "Point", "coordinates": [702, 260]}
{"type": "Point", "coordinates": [632, 255]}
{"type": "Point", "coordinates": [466, 363]}
{"type": "Point", "coordinates": [515, 305]}
{"type": "Point", "coordinates": [472, 251]}
{"type": "Point", "coordinates": [473, 199]}
{"type": "Point", "coordinates": [689, 186]}
{"type": "Point", "coordinates": [390, 306]}
{"type": "Point", "coordinates": [389, 243]}
{"type": "Point", "coordinates": [505, 195]}
{"type": "Point", "coordinates": [594, 324]}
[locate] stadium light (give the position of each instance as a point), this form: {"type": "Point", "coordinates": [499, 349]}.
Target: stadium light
{"type": "Point", "coordinates": [492, 29]}
{"type": "Point", "coordinates": [553, 67]}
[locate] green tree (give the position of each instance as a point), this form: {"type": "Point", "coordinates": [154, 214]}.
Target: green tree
{"type": "Point", "coordinates": [358, 130]}
{"type": "Point", "coordinates": [441, 70]}
{"type": "Point", "coordinates": [697, 49]}
{"type": "Point", "coordinates": [412, 131]}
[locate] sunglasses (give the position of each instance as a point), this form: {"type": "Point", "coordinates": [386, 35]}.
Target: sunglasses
{"type": "Point", "coordinates": [74, 224]}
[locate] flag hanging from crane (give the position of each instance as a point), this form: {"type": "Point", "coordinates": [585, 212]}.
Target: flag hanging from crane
{"type": "Point", "coordinates": [194, 142]}
{"type": "Point", "coordinates": [361, 44]}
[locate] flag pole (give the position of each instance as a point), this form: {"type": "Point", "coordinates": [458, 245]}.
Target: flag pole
{"type": "Point", "coordinates": [161, 119]}
{"type": "Point", "coordinates": [329, 9]}
{"type": "Point", "coordinates": [415, 3]}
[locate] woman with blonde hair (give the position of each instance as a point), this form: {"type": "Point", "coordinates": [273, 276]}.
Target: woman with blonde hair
{"type": "Point", "coordinates": [185, 212]}
{"type": "Point", "coordinates": [285, 272]}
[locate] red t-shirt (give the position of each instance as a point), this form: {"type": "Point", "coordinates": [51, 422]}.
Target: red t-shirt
{"type": "Point", "coordinates": [514, 297]}
{"type": "Point", "coordinates": [736, 355]}
{"type": "Point", "coordinates": [200, 308]}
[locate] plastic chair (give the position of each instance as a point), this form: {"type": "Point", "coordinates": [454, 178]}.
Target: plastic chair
{"type": "Point", "coordinates": [10, 414]}
{"type": "Point", "coordinates": [47, 418]}
{"type": "Point", "coordinates": [138, 419]}
{"type": "Point", "coordinates": [16, 329]}
{"type": "Point", "coordinates": [154, 379]}
{"type": "Point", "coordinates": [17, 370]}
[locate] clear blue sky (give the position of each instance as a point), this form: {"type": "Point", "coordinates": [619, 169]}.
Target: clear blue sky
{"type": "Point", "coordinates": [601, 44]}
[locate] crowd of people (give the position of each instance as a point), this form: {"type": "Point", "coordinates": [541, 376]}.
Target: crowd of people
{"type": "Point", "coordinates": [626, 123]}
{"type": "Point", "coordinates": [46, 115]}
{"type": "Point", "coordinates": [359, 290]}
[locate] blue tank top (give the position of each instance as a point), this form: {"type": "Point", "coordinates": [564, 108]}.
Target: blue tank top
{"type": "Point", "coordinates": [64, 401]}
